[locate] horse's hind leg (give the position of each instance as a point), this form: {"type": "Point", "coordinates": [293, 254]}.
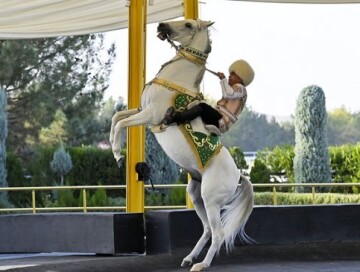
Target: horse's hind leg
{"type": "Point", "coordinates": [194, 190]}
{"type": "Point", "coordinates": [213, 214]}
{"type": "Point", "coordinates": [115, 132]}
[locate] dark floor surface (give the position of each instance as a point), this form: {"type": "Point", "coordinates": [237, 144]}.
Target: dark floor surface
{"type": "Point", "coordinates": [268, 259]}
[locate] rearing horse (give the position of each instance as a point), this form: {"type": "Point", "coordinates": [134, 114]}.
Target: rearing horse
{"type": "Point", "coordinates": [222, 205]}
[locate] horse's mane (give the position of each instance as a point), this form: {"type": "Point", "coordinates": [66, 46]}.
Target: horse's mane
{"type": "Point", "coordinates": [199, 79]}
{"type": "Point", "coordinates": [208, 46]}
{"type": "Point", "coordinates": [207, 51]}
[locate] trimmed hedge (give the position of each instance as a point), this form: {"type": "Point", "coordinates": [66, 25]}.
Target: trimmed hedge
{"type": "Point", "coordinates": [266, 198]}
{"type": "Point", "coordinates": [91, 166]}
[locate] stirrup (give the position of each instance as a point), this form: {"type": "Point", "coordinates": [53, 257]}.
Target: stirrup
{"type": "Point", "coordinates": [158, 128]}
{"type": "Point", "coordinates": [213, 129]}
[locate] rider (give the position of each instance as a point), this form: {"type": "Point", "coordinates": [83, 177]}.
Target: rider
{"type": "Point", "coordinates": [218, 120]}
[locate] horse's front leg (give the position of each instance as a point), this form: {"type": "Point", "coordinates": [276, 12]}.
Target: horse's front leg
{"type": "Point", "coordinates": [137, 119]}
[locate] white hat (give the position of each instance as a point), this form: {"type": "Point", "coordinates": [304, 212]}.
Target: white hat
{"type": "Point", "coordinates": [243, 70]}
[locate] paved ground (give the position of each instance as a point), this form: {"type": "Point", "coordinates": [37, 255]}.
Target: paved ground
{"type": "Point", "coordinates": [258, 260]}
{"type": "Point", "coordinates": [109, 264]}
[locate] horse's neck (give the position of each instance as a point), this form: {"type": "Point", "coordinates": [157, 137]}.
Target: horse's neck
{"type": "Point", "coordinates": [184, 72]}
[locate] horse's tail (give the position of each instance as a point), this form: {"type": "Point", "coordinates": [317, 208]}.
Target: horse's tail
{"type": "Point", "coordinates": [236, 214]}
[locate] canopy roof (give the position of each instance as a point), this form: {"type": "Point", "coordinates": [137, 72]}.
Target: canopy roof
{"type": "Point", "coordinates": [305, 1]}
{"type": "Point", "coordinates": [20, 19]}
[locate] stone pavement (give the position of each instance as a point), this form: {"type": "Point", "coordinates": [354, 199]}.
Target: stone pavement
{"type": "Point", "coordinates": [244, 260]}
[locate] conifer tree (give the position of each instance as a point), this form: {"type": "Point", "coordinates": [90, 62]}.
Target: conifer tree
{"type": "Point", "coordinates": [61, 163]}
{"type": "Point", "coordinates": [311, 161]}
{"type": "Point", "coordinates": [3, 135]}
{"type": "Point", "coordinates": [163, 169]}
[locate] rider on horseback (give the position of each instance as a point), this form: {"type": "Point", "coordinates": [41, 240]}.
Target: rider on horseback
{"type": "Point", "coordinates": [218, 120]}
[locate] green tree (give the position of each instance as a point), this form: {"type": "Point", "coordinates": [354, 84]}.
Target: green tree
{"type": "Point", "coordinates": [43, 75]}
{"type": "Point", "coordinates": [343, 127]}
{"type": "Point", "coordinates": [3, 136]}
{"type": "Point", "coordinates": [279, 160]}
{"type": "Point", "coordinates": [108, 109]}
{"type": "Point", "coordinates": [55, 134]}
{"type": "Point", "coordinates": [120, 104]}
{"type": "Point", "coordinates": [163, 169]}
{"type": "Point", "coordinates": [253, 131]}
{"type": "Point", "coordinates": [311, 161]}
{"type": "Point", "coordinates": [16, 178]}
{"type": "Point", "coordinates": [61, 163]}
{"type": "Point", "coordinates": [238, 157]}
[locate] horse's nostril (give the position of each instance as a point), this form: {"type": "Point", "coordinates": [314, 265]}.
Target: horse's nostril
{"type": "Point", "coordinates": [161, 26]}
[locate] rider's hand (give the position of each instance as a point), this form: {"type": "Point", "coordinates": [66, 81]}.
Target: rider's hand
{"type": "Point", "coordinates": [221, 75]}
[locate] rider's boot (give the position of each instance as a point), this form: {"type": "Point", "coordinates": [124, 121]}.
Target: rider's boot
{"type": "Point", "coordinates": [173, 116]}
{"type": "Point", "coordinates": [170, 116]}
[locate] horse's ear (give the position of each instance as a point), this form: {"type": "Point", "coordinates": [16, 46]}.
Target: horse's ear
{"type": "Point", "coordinates": [203, 24]}
{"type": "Point", "coordinates": [210, 23]}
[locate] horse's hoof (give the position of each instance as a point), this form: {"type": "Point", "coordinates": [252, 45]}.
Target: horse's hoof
{"type": "Point", "coordinates": [198, 267]}
{"type": "Point", "coordinates": [120, 161]}
{"type": "Point", "coordinates": [186, 263]}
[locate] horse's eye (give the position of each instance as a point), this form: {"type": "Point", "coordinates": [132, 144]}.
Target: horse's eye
{"type": "Point", "coordinates": [188, 25]}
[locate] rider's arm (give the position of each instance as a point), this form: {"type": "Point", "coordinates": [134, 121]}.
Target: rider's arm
{"type": "Point", "coordinates": [232, 92]}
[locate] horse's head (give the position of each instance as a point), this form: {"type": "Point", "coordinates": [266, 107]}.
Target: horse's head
{"type": "Point", "coordinates": [182, 31]}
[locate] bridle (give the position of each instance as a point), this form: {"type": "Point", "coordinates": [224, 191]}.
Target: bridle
{"type": "Point", "coordinates": [191, 54]}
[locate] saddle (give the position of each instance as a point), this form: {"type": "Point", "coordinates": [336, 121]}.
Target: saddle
{"type": "Point", "coordinates": [211, 128]}
{"type": "Point", "coordinates": [205, 146]}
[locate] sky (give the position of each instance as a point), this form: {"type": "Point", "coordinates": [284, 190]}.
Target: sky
{"type": "Point", "coordinates": [289, 46]}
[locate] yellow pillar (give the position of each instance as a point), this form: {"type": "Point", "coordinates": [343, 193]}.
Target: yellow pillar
{"type": "Point", "coordinates": [191, 11]}
{"type": "Point", "coordinates": [136, 135]}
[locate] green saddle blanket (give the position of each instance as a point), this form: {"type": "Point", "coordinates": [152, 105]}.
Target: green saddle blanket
{"type": "Point", "coordinates": [204, 146]}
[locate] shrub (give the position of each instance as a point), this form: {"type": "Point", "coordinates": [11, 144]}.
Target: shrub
{"type": "Point", "coordinates": [260, 174]}
{"type": "Point", "coordinates": [65, 198]}
{"type": "Point", "coordinates": [177, 196]}
{"type": "Point", "coordinates": [311, 161]}
{"type": "Point", "coordinates": [345, 162]}
{"type": "Point", "coordinates": [99, 198]}
{"type": "Point", "coordinates": [15, 178]}
{"type": "Point", "coordinates": [266, 198]}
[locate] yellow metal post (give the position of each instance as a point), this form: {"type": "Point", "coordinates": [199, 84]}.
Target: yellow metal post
{"type": "Point", "coordinates": [191, 11]}
{"type": "Point", "coordinates": [189, 203]}
{"type": "Point", "coordinates": [274, 196]}
{"type": "Point", "coordinates": [84, 201]}
{"type": "Point", "coordinates": [33, 201]}
{"type": "Point", "coordinates": [313, 194]}
{"type": "Point", "coordinates": [136, 135]}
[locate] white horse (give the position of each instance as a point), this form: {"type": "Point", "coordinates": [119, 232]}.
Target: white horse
{"type": "Point", "coordinates": [222, 205]}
